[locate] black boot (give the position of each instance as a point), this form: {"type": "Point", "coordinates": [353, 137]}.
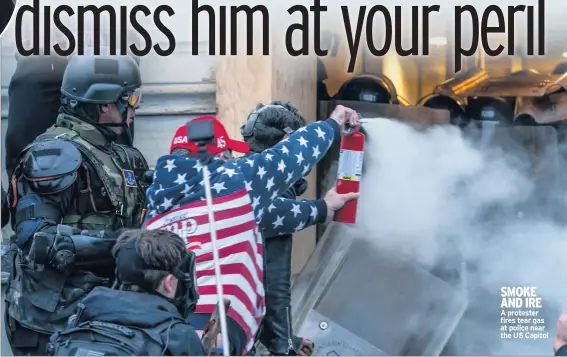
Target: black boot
{"type": "Point", "coordinates": [277, 334]}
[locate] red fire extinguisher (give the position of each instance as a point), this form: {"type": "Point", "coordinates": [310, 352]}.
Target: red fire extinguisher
{"type": "Point", "coordinates": [349, 174]}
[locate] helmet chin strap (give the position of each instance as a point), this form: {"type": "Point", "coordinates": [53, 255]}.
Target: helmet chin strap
{"type": "Point", "coordinates": [124, 125]}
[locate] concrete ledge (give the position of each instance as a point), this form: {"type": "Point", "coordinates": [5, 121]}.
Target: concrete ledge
{"type": "Point", "coordinates": [164, 99]}
{"type": "Point", "coordinates": [177, 99]}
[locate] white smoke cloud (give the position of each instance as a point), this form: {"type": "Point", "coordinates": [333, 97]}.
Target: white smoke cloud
{"type": "Point", "coordinates": [428, 195]}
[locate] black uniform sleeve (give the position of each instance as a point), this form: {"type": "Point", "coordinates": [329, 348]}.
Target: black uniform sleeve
{"type": "Point", "coordinates": [46, 178]}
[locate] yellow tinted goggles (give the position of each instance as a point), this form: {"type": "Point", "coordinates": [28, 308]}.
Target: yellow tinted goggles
{"type": "Point", "coordinates": [134, 98]}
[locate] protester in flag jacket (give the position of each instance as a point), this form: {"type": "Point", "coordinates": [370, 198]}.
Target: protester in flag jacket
{"type": "Point", "coordinates": [276, 333]}
{"type": "Point", "coordinates": [302, 210]}
{"type": "Point", "coordinates": [243, 190]}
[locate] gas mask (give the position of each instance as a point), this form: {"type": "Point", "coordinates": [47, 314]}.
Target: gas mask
{"type": "Point", "coordinates": [130, 268]}
{"type": "Point", "coordinates": [186, 295]}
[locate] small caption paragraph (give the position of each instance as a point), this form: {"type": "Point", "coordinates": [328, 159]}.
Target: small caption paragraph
{"type": "Point", "coordinates": [520, 316]}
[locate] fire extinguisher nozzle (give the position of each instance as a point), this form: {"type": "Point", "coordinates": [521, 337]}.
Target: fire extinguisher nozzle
{"type": "Point", "coordinates": [348, 128]}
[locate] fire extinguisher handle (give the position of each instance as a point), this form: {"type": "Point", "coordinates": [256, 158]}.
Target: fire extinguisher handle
{"type": "Point", "coordinates": [348, 127]}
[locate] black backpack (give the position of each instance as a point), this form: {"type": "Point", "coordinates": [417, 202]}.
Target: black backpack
{"type": "Point", "coordinates": [96, 338]}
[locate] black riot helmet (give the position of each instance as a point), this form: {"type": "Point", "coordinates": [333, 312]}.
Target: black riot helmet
{"type": "Point", "coordinates": [368, 88]}
{"type": "Point", "coordinates": [561, 68]}
{"type": "Point", "coordinates": [132, 269]}
{"type": "Point", "coordinates": [445, 102]}
{"type": "Point", "coordinates": [268, 124]}
{"type": "Point", "coordinates": [525, 119]}
{"type": "Point", "coordinates": [91, 81]}
{"type": "Point", "coordinates": [492, 109]}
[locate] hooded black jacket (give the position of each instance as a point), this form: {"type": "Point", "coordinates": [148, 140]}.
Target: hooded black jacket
{"type": "Point", "coordinates": [142, 310]}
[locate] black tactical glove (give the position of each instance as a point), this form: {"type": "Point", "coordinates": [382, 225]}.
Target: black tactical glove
{"type": "Point", "coordinates": [149, 177]}
{"type": "Point", "coordinates": [62, 253]}
{"type": "Point", "coordinates": [56, 250]}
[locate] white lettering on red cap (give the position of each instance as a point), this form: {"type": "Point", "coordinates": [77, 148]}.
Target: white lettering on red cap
{"type": "Point", "coordinates": [221, 143]}
{"type": "Point", "coordinates": [180, 140]}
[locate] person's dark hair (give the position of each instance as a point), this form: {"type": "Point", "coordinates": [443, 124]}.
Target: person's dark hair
{"type": "Point", "coordinates": [160, 249]}
{"type": "Point", "coordinates": [225, 155]}
{"type": "Point", "coordinates": [181, 152]}
{"type": "Point", "coordinates": [272, 123]}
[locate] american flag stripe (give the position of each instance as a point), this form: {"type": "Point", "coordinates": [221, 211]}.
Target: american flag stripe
{"type": "Point", "coordinates": [226, 229]}
{"type": "Point", "coordinates": [195, 209]}
{"type": "Point", "coordinates": [240, 252]}
{"type": "Point", "coordinates": [234, 290]}
{"type": "Point", "coordinates": [237, 311]}
{"type": "Point", "coordinates": [203, 218]}
{"type": "Point", "coordinates": [236, 278]}
{"type": "Point", "coordinates": [245, 263]}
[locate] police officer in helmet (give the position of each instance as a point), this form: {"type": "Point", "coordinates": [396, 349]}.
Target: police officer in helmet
{"type": "Point", "coordinates": [73, 190]}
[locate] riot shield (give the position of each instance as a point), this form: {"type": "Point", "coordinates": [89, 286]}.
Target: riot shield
{"type": "Point", "coordinates": [532, 151]}
{"type": "Point", "coordinates": [352, 300]}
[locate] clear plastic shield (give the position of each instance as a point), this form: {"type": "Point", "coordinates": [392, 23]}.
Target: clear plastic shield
{"type": "Point", "coordinates": [352, 300]}
{"type": "Point", "coordinates": [535, 152]}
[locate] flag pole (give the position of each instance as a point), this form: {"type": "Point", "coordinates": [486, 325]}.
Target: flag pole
{"type": "Point", "coordinates": [203, 133]}
{"type": "Point", "coordinates": [216, 259]}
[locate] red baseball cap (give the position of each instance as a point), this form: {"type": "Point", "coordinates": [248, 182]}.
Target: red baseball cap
{"type": "Point", "coordinates": [222, 140]}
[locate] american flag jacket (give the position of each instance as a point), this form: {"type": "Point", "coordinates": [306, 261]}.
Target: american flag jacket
{"type": "Point", "coordinates": [245, 198]}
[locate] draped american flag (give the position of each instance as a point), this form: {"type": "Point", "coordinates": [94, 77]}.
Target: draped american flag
{"type": "Point", "coordinates": [245, 200]}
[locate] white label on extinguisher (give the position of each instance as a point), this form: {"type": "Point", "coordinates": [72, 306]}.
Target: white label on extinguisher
{"type": "Point", "coordinates": [350, 165]}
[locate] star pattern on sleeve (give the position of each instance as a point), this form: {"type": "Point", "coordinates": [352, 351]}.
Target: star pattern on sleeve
{"type": "Point", "coordinates": [268, 174]}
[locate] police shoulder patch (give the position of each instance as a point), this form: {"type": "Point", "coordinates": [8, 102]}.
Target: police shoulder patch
{"type": "Point", "coordinates": [129, 178]}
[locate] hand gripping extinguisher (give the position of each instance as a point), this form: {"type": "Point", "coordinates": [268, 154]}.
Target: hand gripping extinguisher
{"type": "Point", "coordinates": [349, 174]}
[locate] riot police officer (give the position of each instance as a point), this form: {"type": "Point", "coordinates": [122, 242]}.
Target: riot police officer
{"type": "Point", "coordinates": [72, 191]}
